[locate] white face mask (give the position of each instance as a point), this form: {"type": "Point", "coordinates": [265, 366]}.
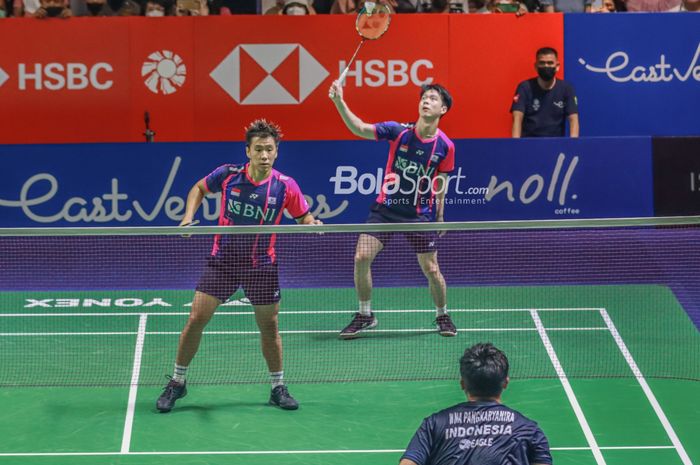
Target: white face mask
{"type": "Point", "coordinates": [155, 13]}
{"type": "Point", "coordinates": [296, 11]}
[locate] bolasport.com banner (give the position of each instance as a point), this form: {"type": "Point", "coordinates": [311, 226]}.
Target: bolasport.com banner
{"type": "Point", "coordinates": [147, 184]}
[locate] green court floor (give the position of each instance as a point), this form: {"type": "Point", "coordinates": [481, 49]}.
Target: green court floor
{"type": "Point", "coordinates": [591, 364]}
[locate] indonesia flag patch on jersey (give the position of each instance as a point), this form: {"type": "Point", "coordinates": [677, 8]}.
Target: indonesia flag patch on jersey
{"type": "Point", "coordinates": [403, 148]}
{"type": "Point", "coordinates": [516, 97]}
{"type": "Point", "coordinates": [236, 192]}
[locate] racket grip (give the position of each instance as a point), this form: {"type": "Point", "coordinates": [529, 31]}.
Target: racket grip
{"type": "Point", "coordinates": [331, 94]}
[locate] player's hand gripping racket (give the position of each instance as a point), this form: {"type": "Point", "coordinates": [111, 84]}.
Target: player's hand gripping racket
{"type": "Point", "coordinates": [371, 23]}
{"type": "Point", "coordinates": [187, 225]}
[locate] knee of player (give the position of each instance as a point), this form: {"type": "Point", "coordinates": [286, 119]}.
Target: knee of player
{"type": "Point", "coordinates": [431, 270]}
{"type": "Point", "coordinates": [363, 258]}
{"type": "Point", "coordinates": [198, 320]}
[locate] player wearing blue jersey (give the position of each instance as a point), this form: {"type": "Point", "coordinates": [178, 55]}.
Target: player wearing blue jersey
{"type": "Point", "coordinates": [481, 431]}
{"type": "Point", "coordinates": [251, 194]}
{"type": "Point", "coordinates": [413, 190]}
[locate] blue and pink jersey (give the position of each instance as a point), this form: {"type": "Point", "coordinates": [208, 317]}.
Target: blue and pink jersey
{"type": "Point", "coordinates": [409, 184]}
{"type": "Point", "coordinates": [246, 202]}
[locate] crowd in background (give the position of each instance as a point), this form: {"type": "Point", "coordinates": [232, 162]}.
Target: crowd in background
{"type": "Point", "coordinates": [154, 8]}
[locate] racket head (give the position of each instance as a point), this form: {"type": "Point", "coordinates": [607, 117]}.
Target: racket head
{"type": "Point", "coordinates": [373, 20]}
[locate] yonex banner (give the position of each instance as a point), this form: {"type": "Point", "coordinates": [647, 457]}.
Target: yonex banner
{"type": "Point", "coordinates": [147, 184]}
{"type": "Point", "coordinates": [636, 74]}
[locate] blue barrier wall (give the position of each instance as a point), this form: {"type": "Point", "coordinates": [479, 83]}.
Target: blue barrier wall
{"type": "Point", "coordinates": [635, 74]}
{"type": "Point", "coordinates": [147, 184]}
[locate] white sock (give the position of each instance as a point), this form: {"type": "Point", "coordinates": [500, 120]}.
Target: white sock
{"type": "Point", "coordinates": [365, 307]}
{"type": "Point", "coordinates": [179, 373]}
{"type": "Point", "coordinates": [277, 378]}
{"type": "Point", "coordinates": [441, 310]}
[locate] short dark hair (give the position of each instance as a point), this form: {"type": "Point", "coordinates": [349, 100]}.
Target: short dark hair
{"type": "Point", "coordinates": [546, 51]}
{"type": "Point", "coordinates": [444, 94]}
{"type": "Point", "coordinates": [484, 370]}
{"type": "Point", "coordinates": [262, 128]}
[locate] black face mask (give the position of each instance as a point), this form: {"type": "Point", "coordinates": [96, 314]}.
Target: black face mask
{"type": "Point", "coordinates": [546, 73]}
{"type": "Point", "coordinates": [53, 11]}
{"type": "Point", "coordinates": [94, 8]}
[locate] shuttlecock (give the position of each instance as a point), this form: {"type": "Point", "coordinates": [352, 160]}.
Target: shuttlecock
{"type": "Point", "coordinates": [369, 7]}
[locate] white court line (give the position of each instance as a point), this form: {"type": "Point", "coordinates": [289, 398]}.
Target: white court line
{"type": "Point", "coordinates": [590, 438]}
{"type": "Point", "coordinates": [293, 331]}
{"type": "Point", "coordinates": [645, 387]}
{"type": "Point", "coordinates": [277, 452]}
{"type": "Point", "coordinates": [311, 312]}
{"type": "Point", "coordinates": [133, 390]}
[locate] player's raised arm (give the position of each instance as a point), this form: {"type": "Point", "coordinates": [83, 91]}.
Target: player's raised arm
{"type": "Point", "coordinates": [355, 124]}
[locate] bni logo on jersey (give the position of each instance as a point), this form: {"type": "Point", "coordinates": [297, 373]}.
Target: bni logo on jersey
{"type": "Point", "coordinates": [269, 74]}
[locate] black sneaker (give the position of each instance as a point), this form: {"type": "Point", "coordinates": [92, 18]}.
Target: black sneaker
{"type": "Point", "coordinates": [358, 324]}
{"type": "Point", "coordinates": [172, 392]}
{"type": "Point", "coordinates": [445, 326]}
{"type": "Point", "coordinates": [280, 397]}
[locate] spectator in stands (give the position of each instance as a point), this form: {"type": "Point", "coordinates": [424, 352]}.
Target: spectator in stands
{"type": "Point", "coordinates": [477, 7]}
{"type": "Point", "coordinates": [453, 434]}
{"type": "Point", "coordinates": [507, 6]}
{"type": "Point", "coordinates": [323, 7]}
{"type": "Point", "coordinates": [156, 8]}
{"type": "Point", "coordinates": [407, 6]}
{"type": "Point", "coordinates": [276, 9]}
{"type": "Point", "coordinates": [354, 6]}
{"type": "Point", "coordinates": [105, 8]}
{"type": "Point", "coordinates": [3, 9]}
{"type": "Point", "coordinates": [567, 6]}
{"type": "Point", "coordinates": [191, 8]}
{"type": "Point", "coordinates": [607, 6]}
{"type": "Point", "coordinates": [433, 6]}
{"type": "Point", "coordinates": [241, 7]}
{"type": "Point", "coordinates": [542, 105]}
{"type": "Point", "coordinates": [687, 5]}
{"type": "Point", "coordinates": [27, 8]}
{"type": "Point", "coordinates": [53, 9]}
{"type": "Point", "coordinates": [297, 8]}
{"type": "Point", "coordinates": [652, 6]}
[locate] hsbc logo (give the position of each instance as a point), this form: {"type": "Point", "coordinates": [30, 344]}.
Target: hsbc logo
{"type": "Point", "coordinates": [269, 74]}
{"type": "Point", "coordinates": [62, 76]}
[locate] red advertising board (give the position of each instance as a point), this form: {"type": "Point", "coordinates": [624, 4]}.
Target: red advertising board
{"type": "Point", "coordinates": [203, 79]}
{"type": "Point", "coordinates": [488, 58]}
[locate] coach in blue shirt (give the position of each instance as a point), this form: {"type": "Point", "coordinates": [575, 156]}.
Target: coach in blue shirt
{"type": "Point", "coordinates": [481, 431]}
{"type": "Point", "coordinates": [542, 105]}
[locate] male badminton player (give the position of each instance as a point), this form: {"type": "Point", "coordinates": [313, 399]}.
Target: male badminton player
{"type": "Point", "coordinates": [252, 194]}
{"type": "Point", "coordinates": [481, 431]}
{"type": "Point", "coordinates": [413, 190]}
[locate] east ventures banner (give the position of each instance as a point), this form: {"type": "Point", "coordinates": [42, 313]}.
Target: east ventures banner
{"type": "Point", "coordinates": [147, 184]}
{"type": "Point", "coordinates": [635, 74]}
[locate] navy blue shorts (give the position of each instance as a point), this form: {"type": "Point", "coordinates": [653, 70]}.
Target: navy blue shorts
{"type": "Point", "coordinates": [420, 242]}
{"type": "Point", "coordinates": [222, 278]}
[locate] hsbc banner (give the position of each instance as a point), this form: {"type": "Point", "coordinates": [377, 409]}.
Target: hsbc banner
{"type": "Point", "coordinates": [635, 74]}
{"type": "Point", "coordinates": [204, 79]}
{"type": "Point", "coordinates": [147, 184]}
